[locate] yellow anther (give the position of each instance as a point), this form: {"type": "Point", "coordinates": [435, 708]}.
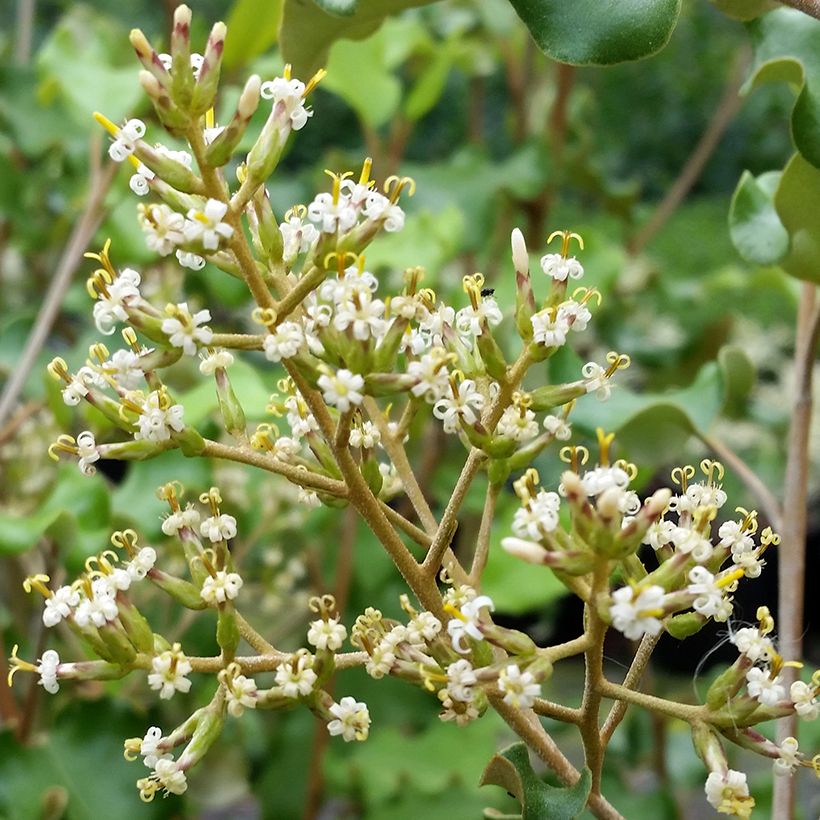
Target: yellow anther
{"type": "Point", "coordinates": [16, 664]}
{"type": "Point", "coordinates": [324, 606]}
{"type": "Point", "coordinates": [99, 352]}
{"type": "Point", "coordinates": [297, 211]}
{"type": "Point", "coordinates": [768, 536]}
{"type": "Point", "coordinates": [337, 183]}
{"type": "Point", "coordinates": [264, 316]}
{"type": "Point", "coordinates": [710, 468]}
{"type": "Point", "coordinates": [38, 582]}
{"type": "Point", "coordinates": [213, 499]}
{"type": "Point", "coordinates": [125, 539]}
{"type": "Point", "coordinates": [584, 295]}
{"type": "Point", "coordinates": [617, 361]}
{"type": "Point", "coordinates": [286, 71]}
{"type": "Point", "coordinates": [107, 124]}
{"type": "Point", "coordinates": [681, 476]}
{"type": "Point", "coordinates": [131, 748]}
{"type": "Point", "coordinates": [575, 456]}
{"type": "Point", "coordinates": [566, 238]}
{"type": "Point", "coordinates": [104, 259]}
{"type": "Point", "coordinates": [314, 81]}
{"type": "Point", "coordinates": [58, 369]}
{"type": "Point", "coordinates": [210, 118]}
{"type": "Point", "coordinates": [64, 444]}
{"type": "Point", "coordinates": [628, 467]}
{"type": "Point", "coordinates": [604, 443]}
{"type": "Point", "coordinates": [394, 186]}
{"type": "Point", "coordinates": [364, 176]}
{"type": "Point", "coordinates": [341, 261]}
{"type": "Point", "coordinates": [765, 619]}
{"type": "Point", "coordinates": [730, 578]}
{"type": "Point", "coordinates": [456, 613]}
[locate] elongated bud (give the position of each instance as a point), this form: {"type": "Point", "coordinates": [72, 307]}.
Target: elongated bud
{"type": "Point", "coordinates": [169, 170]}
{"type": "Point", "coordinates": [527, 551]}
{"type": "Point", "coordinates": [136, 627]}
{"type": "Point", "coordinates": [264, 227]}
{"type": "Point", "coordinates": [233, 416]}
{"type": "Point", "coordinates": [169, 115]}
{"type": "Point", "coordinates": [727, 684]}
{"type": "Point", "coordinates": [221, 149]}
{"type": "Point", "coordinates": [545, 398]}
{"type": "Point", "coordinates": [491, 353]}
{"type": "Point", "coordinates": [265, 154]}
{"type": "Point", "coordinates": [208, 729]}
{"type": "Point", "coordinates": [182, 78]}
{"type": "Point", "coordinates": [184, 592]}
{"type": "Point", "coordinates": [515, 642]}
{"type": "Point", "coordinates": [227, 631]}
{"type": "Point", "coordinates": [149, 58]}
{"type": "Point", "coordinates": [709, 748]}
{"type": "Point", "coordinates": [388, 350]}
{"type": "Point", "coordinates": [520, 258]}
{"type": "Point", "coordinates": [686, 624]}
{"type": "Point", "coordinates": [118, 646]}
{"type": "Point", "coordinates": [190, 442]}
{"type": "Point", "coordinates": [524, 297]}
{"type": "Point", "coordinates": [208, 80]}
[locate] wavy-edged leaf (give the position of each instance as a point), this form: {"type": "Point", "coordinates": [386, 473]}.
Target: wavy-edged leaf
{"type": "Point", "coordinates": [787, 49]}
{"type": "Point", "coordinates": [307, 31]}
{"type": "Point", "coordinates": [599, 32]}
{"type": "Point", "coordinates": [511, 769]}
{"type": "Point", "coordinates": [754, 225]}
{"type": "Point", "coordinates": [797, 201]}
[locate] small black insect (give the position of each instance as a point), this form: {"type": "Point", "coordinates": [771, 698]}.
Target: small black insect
{"type": "Point", "coordinates": [487, 292]}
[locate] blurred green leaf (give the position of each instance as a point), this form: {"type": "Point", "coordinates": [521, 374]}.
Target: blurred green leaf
{"type": "Point", "coordinates": [755, 227]}
{"type": "Point", "coordinates": [343, 8]}
{"type": "Point", "coordinates": [744, 9]}
{"type": "Point", "coordinates": [307, 32]}
{"type": "Point", "coordinates": [253, 27]}
{"type": "Point", "coordinates": [591, 32]}
{"type": "Point", "coordinates": [787, 49]}
{"type": "Point", "coordinates": [511, 769]}
{"type": "Point", "coordinates": [797, 201]}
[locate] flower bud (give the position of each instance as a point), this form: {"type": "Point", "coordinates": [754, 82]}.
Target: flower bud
{"type": "Point", "coordinates": [227, 631]}
{"type": "Point", "coordinates": [686, 624]}
{"type": "Point", "coordinates": [221, 149]}
{"type": "Point", "coordinates": [491, 353]}
{"type": "Point", "coordinates": [524, 297]}
{"type": "Point", "coordinates": [727, 684]}
{"type": "Point", "coordinates": [208, 81]}
{"type": "Point", "coordinates": [545, 398]}
{"type": "Point", "coordinates": [233, 416]}
{"type": "Point", "coordinates": [168, 169]}
{"type": "Point", "coordinates": [208, 728]}
{"type": "Point", "coordinates": [184, 592]}
{"type": "Point", "coordinates": [182, 78]}
{"type": "Point", "coordinates": [527, 551]}
{"type": "Point", "coordinates": [190, 442]}
{"type": "Point", "coordinates": [136, 626]}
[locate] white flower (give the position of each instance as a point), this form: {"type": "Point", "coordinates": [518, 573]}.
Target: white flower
{"type": "Point", "coordinates": [125, 143]}
{"type": "Point", "coordinates": [77, 388]}
{"type": "Point", "coordinates": [733, 535]}
{"type": "Point", "coordinates": [189, 517]}
{"type": "Point", "coordinates": [288, 101]}
{"type": "Point", "coordinates": [218, 528]}
{"type": "Point", "coordinates": [752, 644]}
{"type": "Point", "coordinates": [466, 404]}
{"type": "Point", "coordinates": [149, 747]}
{"type": "Point", "coordinates": [163, 228]}
{"type": "Point", "coordinates": [729, 793]}
{"type": "Point", "coordinates": [549, 328]}
{"type": "Point", "coordinates": [328, 635]}
{"type": "Point", "coordinates": [285, 448]}
{"type": "Point", "coordinates": [100, 608]}
{"type": "Point", "coordinates": [560, 267]}
{"type": "Point", "coordinates": [187, 330]}
{"type": "Point", "coordinates": [466, 623]}
{"type": "Point", "coordinates": [87, 453]}
{"type": "Point", "coordinates": [168, 673]}
{"type": "Point", "coordinates": [690, 541]}
{"type": "Point", "coordinates": [363, 316]}
{"type": "Point", "coordinates": [637, 615]}
{"type": "Point", "coordinates": [431, 374]}
{"type": "Point", "coordinates": [241, 695]}
{"type": "Point", "coordinates": [364, 436]}
{"type": "Point", "coordinates": [558, 427]}
{"type": "Point", "coordinates": [332, 216]}
{"type": "Point", "coordinates": [379, 207]}
{"type": "Point", "coordinates": [516, 425]}
{"type": "Point", "coordinates": [192, 261]}
{"type": "Point", "coordinates": [142, 563]}
{"type": "Point", "coordinates": [659, 534]}
{"type": "Point", "coordinates": [59, 605]}
{"type": "Point", "coordinates": [206, 225]}
{"type": "Point", "coordinates": [539, 516]}
{"type": "Point", "coordinates": [158, 419]}
{"type": "Point", "coordinates": [215, 360]}
{"type": "Point", "coordinates": [352, 720]}
{"type": "Point", "coordinates": [124, 368]}
{"type": "Point", "coordinates": [310, 498]}
{"type": "Point", "coordinates": [139, 180]}
{"type": "Point", "coordinates": [527, 551]}
{"type": "Point", "coordinates": [224, 586]}
{"type": "Point", "coordinates": [763, 687]}
{"type": "Point", "coordinates": [596, 380]}
{"type": "Point", "coordinates": [342, 389]}
{"type": "Point", "coordinates": [789, 758]}
{"type": "Point", "coordinates": [710, 599]}
{"type": "Point", "coordinates": [296, 676]}
{"type": "Point", "coordinates": [284, 341]}
{"type": "Point", "coordinates": [575, 314]}
{"type": "Point", "coordinates": [47, 669]}
{"type": "Point", "coordinates": [470, 319]}
{"type": "Point", "coordinates": [424, 627]}
{"type": "Point", "coordinates": [111, 303]}
{"type": "Point", "coordinates": [803, 696]}
{"type": "Point", "coordinates": [381, 660]}
{"type": "Point", "coordinates": [170, 776]}
{"type": "Point", "coordinates": [520, 688]}
{"type": "Point", "coordinates": [460, 680]}
{"type": "Point", "coordinates": [298, 236]}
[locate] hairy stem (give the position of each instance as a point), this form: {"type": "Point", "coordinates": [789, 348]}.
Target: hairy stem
{"type": "Point", "coordinates": [482, 549]}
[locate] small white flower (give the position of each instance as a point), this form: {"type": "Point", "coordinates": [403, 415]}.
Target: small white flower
{"type": "Point", "coordinates": [288, 101]}
{"type": "Point", "coordinates": [431, 374]}
{"type": "Point", "coordinates": [466, 623]}
{"type": "Point", "coordinates": [310, 498]}
{"type": "Point", "coordinates": [218, 528]}
{"type": "Point", "coordinates": [558, 427]}
{"type": "Point", "coordinates": [637, 615]}
{"type": "Point", "coordinates": [158, 419]}
{"type": "Point", "coordinates": [111, 304]}
{"type": "Point", "coordinates": [298, 236]}
{"type": "Point", "coordinates": [124, 367]}
{"type": "Point", "coordinates": [789, 758]}
{"type": "Point", "coordinates": [139, 182]}
{"type": "Point", "coordinates": [77, 388]}
{"type": "Point", "coordinates": [327, 635]}
{"type": "Point", "coordinates": [729, 793]}
{"type": "Point", "coordinates": [60, 605]}
{"type": "Point", "coordinates": [170, 776]}
{"type": "Point", "coordinates": [516, 425]}
{"type": "Point", "coordinates": [47, 669]}
{"type": "Point", "coordinates": [192, 261]}
{"type": "Point", "coordinates": [126, 141]}
{"type": "Point", "coordinates": [549, 328]}
{"type": "Point", "coordinates": [465, 404]}
{"type": "Point", "coordinates": [296, 676]}
{"type": "Point", "coordinates": [224, 586]}
{"type": "Point", "coordinates": [168, 673]}
{"type": "Point", "coordinates": [215, 360]}
{"type": "Point", "coordinates": [470, 319]}
{"type": "Point", "coordinates": [381, 660]}
{"type": "Point", "coordinates": [710, 598]}
{"type": "Point", "coordinates": [363, 317]}
{"type": "Point", "coordinates": [364, 436]}
{"type": "Point", "coordinates": [142, 563]}
{"type": "Point", "coordinates": [163, 228]}
{"type": "Point", "coordinates": [379, 207]}
{"type": "Point", "coordinates": [763, 687]}
{"type": "Point", "coordinates": [460, 680]}
{"type": "Point", "coordinates": [241, 694]}
{"type": "Point", "coordinates": [659, 534]}
{"type": "Point", "coordinates": [100, 608]}
{"type": "Point", "coordinates": [520, 688]}
{"type": "Point", "coordinates": [596, 380]}
{"type": "Point", "coordinates": [87, 453]}
{"type": "Point", "coordinates": [342, 389]}
{"type": "Point", "coordinates": [423, 628]}
{"type": "Point", "coordinates": [352, 720]}
{"type": "Point", "coordinates": [206, 226]}
{"type": "Point", "coordinates": [575, 314]}
{"type": "Point", "coordinates": [561, 268]}
{"type": "Point", "coordinates": [539, 516]}
{"type": "Point", "coordinates": [752, 644]}
{"type": "Point", "coordinates": [804, 698]}
{"type": "Point", "coordinates": [187, 330]}
{"type": "Point", "coordinates": [284, 341]}
{"type": "Point", "coordinates": [332, 216]}
{"type": "Point", "coordinates": [189, 517]}
{"type": "Point", "coordinates": [149, 747]}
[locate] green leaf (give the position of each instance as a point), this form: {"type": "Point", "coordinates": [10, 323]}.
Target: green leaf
{"type": "Point", "coordinates": [797, 201]}
{"type": "Point", "coordinates": [599, 32]}
{"type": "Point", "coordinates": [755, 228]}
{"type": "Point", "coordinates": [253, 27]}
{"type": "Point", "coordinates": [739, 376]}
{"type": "Point", "coordinates": [358, 74]}
{"type": "Point", "coordinates": [341, 8]}
{"type": "Point", "coordinates": [787, 49]}
{"type": "Point", "coordinates": [307, 32]}
{"type": "Point", "coordinates": [511, 769]}
{"type": "Point", "coordinates": [744, 9]}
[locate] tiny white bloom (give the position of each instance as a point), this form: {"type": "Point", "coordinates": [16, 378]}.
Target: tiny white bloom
{"type": "Point", "coordinates": [751, 643]}
{"type": "Point", "coordinates": [466, 624]}
{"type": "Point", "coordinates": [215, 360]}
{"type": "Point", "coordinates": [296, 676]}
{"type": "Point", "coordinates": [342, 389]}
{"type": "Point", "coordinates": [558, 427]}
{"type": "Point", "coordinates": [352, 720]}
{"type": "Point", "coordinates": [241, 694]}
{"type": "Point", "coordinates": [789, 758]}
{"type": "Point", "coordinates": [158, 419]}
{"type": "Point", "coordinates": [168, 671]}
{"type": "Point", "coordinates": [328, 635]}
{"type": "Point", "coordinates": [520, 688]}
{"type": "Point", "coordinates": [126, 141]}
{"type": "Point", "coordinates": [288, 96]}
{"type": "Point", "coordinates": [87, 453]}
{"type": "Point", "coordinates": [460, 680]}
{"type": "Point", "coordinates": [284, 341]}
{"type": "Point", "coordinates": [465, 404]}
{"type": "Point", "coordinates": [804, 698]}
{"type": "Point", "coordinates": [111, 303]}
{"type": "Point", "coordinates": [218, 528]}
{"type": "Point", "coordinates": [561, 268]}
{"type": "Point", "coordinates": [224, 586]}
{"type": "Point", "coordinates": [763, 687]}
{"type": "Point", "coordinates": [192, 261]}
{"type": "Point", "coordinates": [48, 669]}
{"type": "Point", "coordinates": [637, 615]}
{"type": "Point", "coordinates": [729, 793]}
{"type": "Point", "coordinates": [206, 226]}
{"type": "Point", "coordinates": [163, 228]}
{"type": "Point", "coordinates": [187, 330]}
{"type": "Point", "coordinates": [60, 605]}
{"type": "Point", "coordinates": [424, 627]}
{"type": "Point", "coordinates": [710, 600]}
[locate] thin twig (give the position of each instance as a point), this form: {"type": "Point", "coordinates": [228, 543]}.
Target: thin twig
{"type": "Point", "coordinates": [482, 549]}
{"type": "Point", "coordinates": [77, 243]}
{"type": "Point", "coordinates": [19, 418]}
{"type": "Point", "coordinates": [792, 551]}
{"type": "Point", "coordinates": [24, 31]}
{"type": "Point", "coordinates": [768, 503]}
{"type": "Point", "coordinates": [810, 7]}
{"type": "Point", "coordinates": [726, 109]}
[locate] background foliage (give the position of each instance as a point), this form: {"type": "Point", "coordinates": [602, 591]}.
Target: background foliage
{"type": "Point", "coordinates": [457, 96]}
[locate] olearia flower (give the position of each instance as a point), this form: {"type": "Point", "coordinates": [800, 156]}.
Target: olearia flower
{"type": "Point", "coordinates": [295, 675]}
{"type": "Point", "coordinates": [163, 228]}
{"type": "Point", "coordinates": [466, 620]}
{"type": "Point", "coordinates": [173, 523]}
{"type": "Point", "coordinates": [549, 328]}
{"type": "Point", "coordinates": [113, 297]}
{"type": "Point", "coordinates": [215, 360]}
{"type": "Point", "coordinates": [126, 141]}
{"type": "Point", "coordinates": [168, 673]}
{"type": "Point", "coordinates": [288, 96]}
{"type": "Point", "coordinates": [221, 587]}
{"type": "Point", "coordinates": [752, 643]}
{"type": "Point", "coordinates": [637, 612]}
{"type": "Point", "coordinates": [342, 389]}
{"type": "Point", "coordinates": [124, 368]}
{"type": "Point", "coordinates": [520, 688]}
{"type": "Point", "coordinates": [190, 260]}
{"type": "Point", "coordinates": [187, 330]}
{"type": "Point", "coordinates": [60, 605]}
{"type": "Point", "coordinates": [711, 599]}
{"type": "Point", "coordinates": [352, 720]}
{"type": "Point", "coordinates": [167, 775]}
{"type": "Point", "coordinates": [218, 528]}
{"type": "Point", "coordinates": [422, 628]}
{"type": "Point", "coordinates": [206, 227]}
{"type": "Point", "coordinates": [789, 759]}
{"type": "Point", "coordinates": [538, 516]}
{"type": "Point", "coordinates": [559, 428]}
{"type": "Point", "coordinates": [327, 634]}
{"type": "Point", "coordinates": [729, 793]}
{"type": "Point", "coordinates": [284, 341]}
{"type": "Point", "coordinates": [298, 236]}
{"type": "Point", "coordinates": [763, 687]}
{"type": "Point", "coordinates": [364, 436]}
{"type": "Point", "coordinates": [465, 403]}
{"type": "Point", "coordinates": [804, 698]}
{"type": "Point", "coordinates": [48, 668]}
{"type": "Point", "coordinates": [460, 681]}
{"type": "Point", "coordinates": [240, 691]}
{"type": "Point", "coordinates": [158, 418]}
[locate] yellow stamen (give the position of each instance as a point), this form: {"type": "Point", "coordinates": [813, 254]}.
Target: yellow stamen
{"type": "Point", "coordinates": [456, 613]}
{"type": "Point", "coordinates": [726, 580]}
{"type": "Point", "coordinates": [107, 124]}
{"type": "Point", "coordinates": [566, 238]}
{"type": "Point", "coordinates": [604, 442]}
{"type": "Point", "coordinates": [210, 118]}
{"type": "Point", "coordinates": [681, 476]}
{"type": "Point", "coordinates": [16, 664]}
{"type": "Point", "coordinates": [314, 81]}
{"type": "Point", "coordinates": [38, 582]}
